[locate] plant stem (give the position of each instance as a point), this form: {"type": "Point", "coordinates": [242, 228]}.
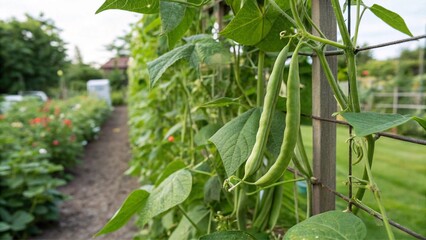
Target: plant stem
{"type": "Point", "coordinates": [338, 93]}
{"type": "Point", "coordinates": [189, 219]}
{"type": "Point", "coordinates": [260, 79]}
{"type": "Point", "coordinates": [237, 75]}
{"type": "Point", "coordinates": [361, 191]}
{"type": "Point", "coordinates": [341, 24]}
{"type": "Point", "coordinates": [242, 209]}
{"type": "Point", "coordinates": [325, 41]}
{"type": "Point", "coordinates": [303, 154]}
{"type": "Point", "coordinates": [376, 190]}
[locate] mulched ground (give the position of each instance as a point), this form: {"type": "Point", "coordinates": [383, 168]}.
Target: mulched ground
{"type": "Point", "coordinates": [99, 186]}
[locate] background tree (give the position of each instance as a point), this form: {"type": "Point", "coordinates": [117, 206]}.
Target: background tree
{"type": "Point", "coordinates": [31, 53]}
{"type": "Point", "coordinates": [77, 74]}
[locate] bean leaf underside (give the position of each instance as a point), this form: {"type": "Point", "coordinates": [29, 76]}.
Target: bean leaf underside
{"type": "Point", "coordinates": [367, 123]}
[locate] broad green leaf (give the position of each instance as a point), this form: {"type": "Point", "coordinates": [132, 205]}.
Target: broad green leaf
{"type": "Point", "coordinates": [4, 226]}
{"type": "Point", "coordinates": [133, 203]}
{"type": "Point", "coordinates": [139, 6]}
{"type": "Point", "coordinates": [176, 18]}
{"type": "Point", "coordinates": [391, 18]}
{"type": "Point", "coordinates": [228, 235]}
{"type": "Point", "coordinates": [421, 121]}
{"type": "Point", "coordinates": [172, 191]}
{"type": "Point", "coordinates": [235, 5]}
{"type": "Point", "coordinates": [221, 102]}
{"type": "Point", "coordinates": [202, 137]}
{"type": "Point", "coordinates": [170, 168]}
{"type": "Point", "coordinates": [171, 15]}
{"type": "Point", "coordinates": [196, 51]}
{"type": "Point", "coordinates": [177, 33]}
{"type": "Point", "coordinates": [212, 190]}
{"type": "Point", "coordinates": [272, 42]}
{"type": "Point", "coordinates": [235, 139]}
{"type": "Point", "coordinates": [367, 123]}
{"type": "Point", "coordinates": [157, 67]}
{"type": "Point", "coordinates": [329, 225]}
{"type": "Point", "coordinates": [209, 51]}
{"type": "Point", "coordinates": [184, 228]}
{"type": "Point", "coordinates": [251, 24]}
{"type": "Point", "coordinates": [20, 219]}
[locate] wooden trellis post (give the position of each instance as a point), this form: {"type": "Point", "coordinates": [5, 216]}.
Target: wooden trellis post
{"type": "Point", "coordinates": [323, 105]}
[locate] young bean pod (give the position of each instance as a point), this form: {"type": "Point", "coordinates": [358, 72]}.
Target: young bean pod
{"type": "Point", "coordinates": [272, 91]}
{"type": "Point", "coordinates": [292, 122]}
{"type": "Point", "coordinates": [276, 205]}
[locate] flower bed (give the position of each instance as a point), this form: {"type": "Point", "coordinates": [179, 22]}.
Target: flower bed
{"type": "Point", "coordinates": [37, 142]}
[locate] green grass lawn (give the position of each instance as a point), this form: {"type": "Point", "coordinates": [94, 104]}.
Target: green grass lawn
{"type": "Point", "coordinates": [399, 169]}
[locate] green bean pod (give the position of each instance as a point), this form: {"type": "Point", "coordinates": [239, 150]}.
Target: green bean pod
{"type": "Point", "coordinates": [276, 205]}
{"type": "Point", "coordinates": [272, 92]}
{"type": "Point", "coordinates": [292, 121]}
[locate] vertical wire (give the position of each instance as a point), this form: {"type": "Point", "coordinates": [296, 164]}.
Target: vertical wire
{"type": "Point", "coordinates": [350, 127]}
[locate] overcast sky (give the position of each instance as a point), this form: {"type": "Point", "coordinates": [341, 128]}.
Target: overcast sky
{"type": "Point", "coordinates": [90, 32]}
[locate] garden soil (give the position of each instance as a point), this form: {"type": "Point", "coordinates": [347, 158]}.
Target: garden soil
{"type": "Point", "coordinates": [99, 186]}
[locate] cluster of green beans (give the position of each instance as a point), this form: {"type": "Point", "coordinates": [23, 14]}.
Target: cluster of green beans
{"type": "Point", "coordinates": [292, 124]}
{"type": "Point", "coordinates": [272, 91]}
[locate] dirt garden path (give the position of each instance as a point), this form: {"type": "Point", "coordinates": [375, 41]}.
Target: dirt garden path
{"type": "Point", "coordinates": [99, 186]}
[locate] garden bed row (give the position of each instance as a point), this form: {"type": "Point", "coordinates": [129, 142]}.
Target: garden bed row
{"type": "Point", "coordinates": [38, 141]}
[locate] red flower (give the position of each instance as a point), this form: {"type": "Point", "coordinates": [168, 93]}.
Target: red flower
{"type": "Point", "coordinates": [55, 142]}
{"type": "Point", "coordinates": [365, 73]}
{"type": "Point", "coordinates": [2, 117]}
{"type": "Point", "coordinates": [39, 120]}
{"type": "Point", "coordinates": [68, 122]}
{"type": "Point", "coordinates": [36, 120]}
{"type": "Point", "coordinates": [171, 139]}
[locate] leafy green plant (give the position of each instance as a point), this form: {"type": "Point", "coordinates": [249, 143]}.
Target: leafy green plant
{"type": "Point", "coordinates": [37, 142]}
{"type": "Point", "coordinates": [199, 112]}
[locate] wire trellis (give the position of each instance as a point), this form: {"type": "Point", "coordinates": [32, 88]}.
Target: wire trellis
{"type": "Point", "coordinates": [350, 199]}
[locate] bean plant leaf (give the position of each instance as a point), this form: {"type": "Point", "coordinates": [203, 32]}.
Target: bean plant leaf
{"type": "Point", "coordinates": [157, 67]}
{"type": "Point", "coordinates": [391, 18]}
{"type": "Point", "coordinates": [170, 168]}
{"type": "Point", "coordinates": [212, 190]}
{"type": "Point", "coordinates": [236, 139]}
{"type": "Point", "coordinates": [221, 102]}
{"type": "Point", "coordinates": [171, 15]}
{"type": "Point", "coordinates": [133, 203]}
{"type": "Point", "coordinates": [4, 227]}
{"type": "Point", "coordinates": [235, 5]}
{"type": "Point", "coordinates": [199, 49]}
{"type": "Point", "coordinates": [20, 219]}
{"type": "Point", "coordinates": [184, 228]}
{"type": "Point", "coordinates": [251, 24]}
{"type": "Point", "coordinates": [367, 123]}
{"type": "Point", "coordinates": [176, 19]}
{"type": "Point", "coordinates": [329, 225]}
{"type": "Point", "coordinates": [138, 6]}
{"type": "Point", "coordinates": [202, 137]}
{"type": "Point", "coordinates": [229, 235]}
{"type": "Point", "coordinates": [172, 191]}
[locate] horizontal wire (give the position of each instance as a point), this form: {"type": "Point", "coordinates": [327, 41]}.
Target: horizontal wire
{"type": "Point", "coordinates": [373, 213]}
{"type": "Point", "coordinates": [380, 134]}
{"type": "Point", "coordinates": [360, 49]}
